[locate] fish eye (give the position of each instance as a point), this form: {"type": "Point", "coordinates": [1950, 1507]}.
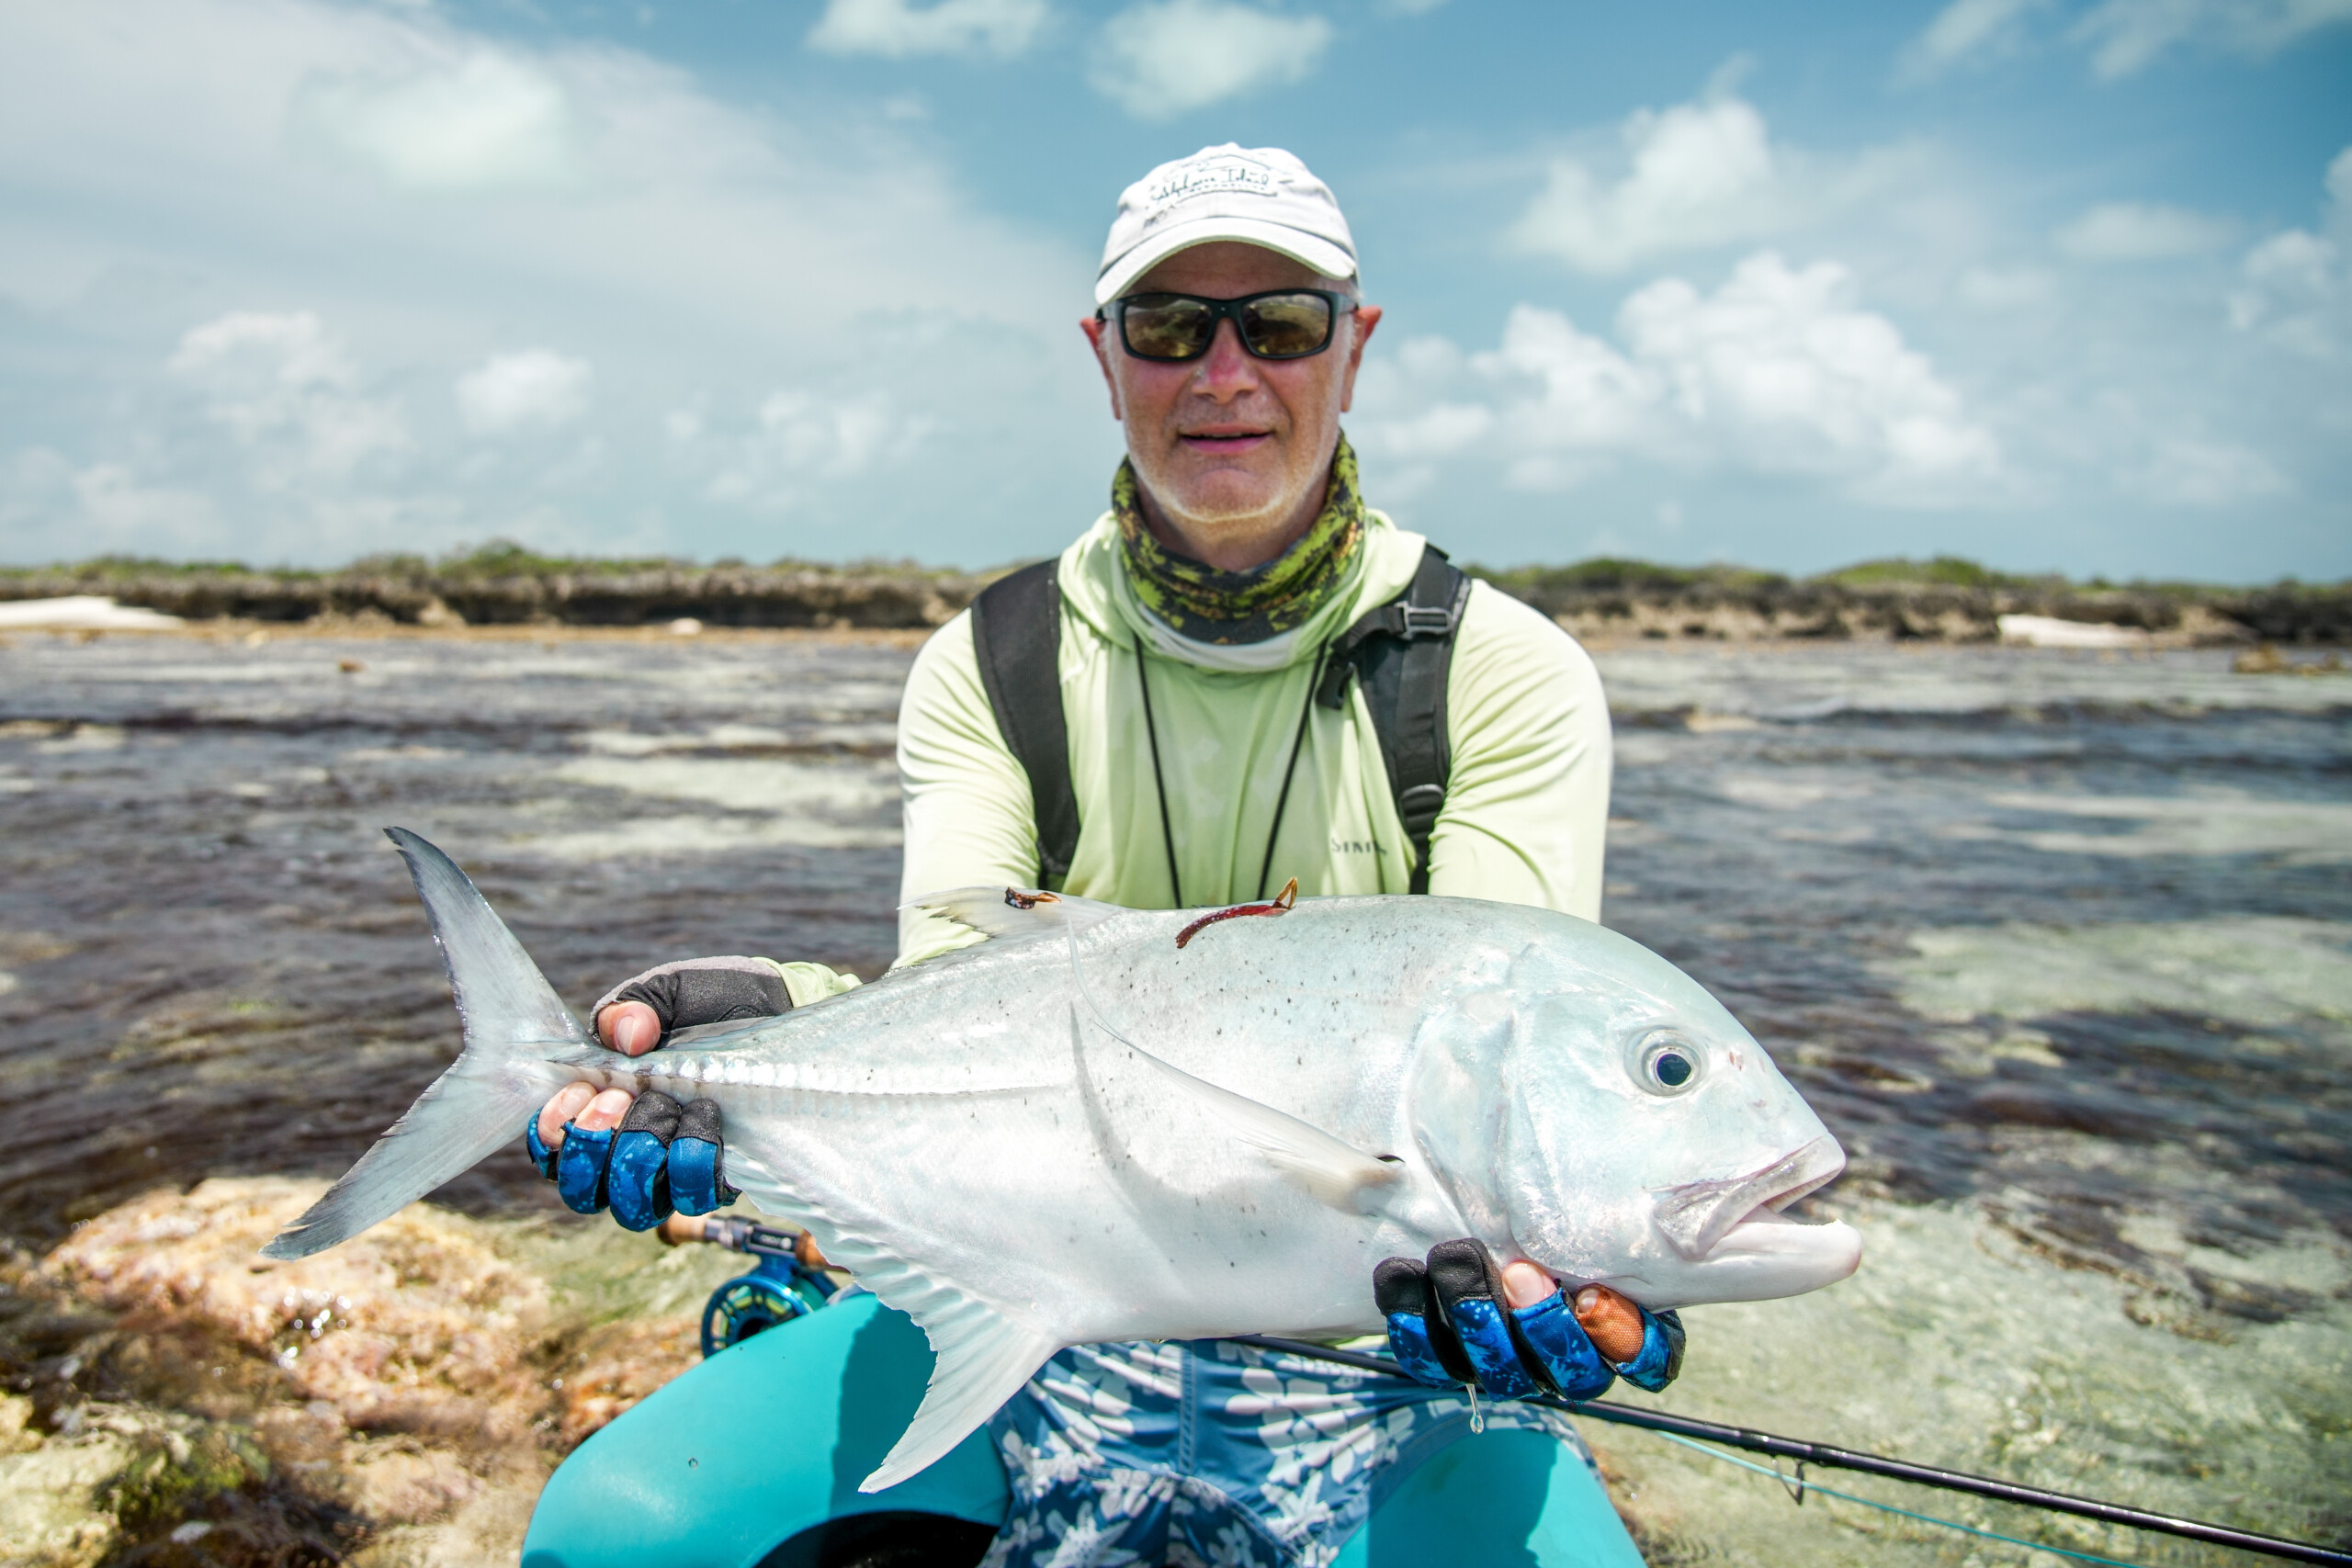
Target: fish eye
{"type": "Point", "coordinates": [1667, 1065]}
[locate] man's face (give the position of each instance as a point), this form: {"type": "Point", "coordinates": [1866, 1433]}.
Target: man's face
{"type": "Point", "coordinates": [1232, 448]}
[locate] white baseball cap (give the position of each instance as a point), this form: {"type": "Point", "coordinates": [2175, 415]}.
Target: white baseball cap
{"type": "Point", "coordinates": [1258, 195]}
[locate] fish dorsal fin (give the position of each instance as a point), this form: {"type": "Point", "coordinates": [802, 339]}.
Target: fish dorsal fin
{"type": "Point", "coordinates": [1015, 914]}
{"type": "Point", "coordinates": [1335, 1171]}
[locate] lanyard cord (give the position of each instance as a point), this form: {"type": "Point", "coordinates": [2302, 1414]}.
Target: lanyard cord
{"type": "Point", "coordinates": [1159, 781]}
{"type": "Point", "coordinates": [1159, 784]}
{"type": "Point", "coordinates": [1281, 801]}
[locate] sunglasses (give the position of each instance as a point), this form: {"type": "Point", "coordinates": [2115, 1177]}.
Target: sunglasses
{"type": "Point", "coordinates": [1283, 323]}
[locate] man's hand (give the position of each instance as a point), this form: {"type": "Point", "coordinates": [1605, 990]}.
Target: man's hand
{"type": "Point", "coordinates": [647, 1156]}
{"type": "Point", "coordinates": [1458, 1319]}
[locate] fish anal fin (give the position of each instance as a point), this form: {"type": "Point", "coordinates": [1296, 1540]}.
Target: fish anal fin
{"type": "Point", "coordinates": [1013, 914]}
{"type": "Point", "coordinates": [984, 1357]}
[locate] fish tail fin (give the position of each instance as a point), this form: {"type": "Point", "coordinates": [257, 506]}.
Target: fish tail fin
{"type": "Point", "coordinates": [512, 1016]}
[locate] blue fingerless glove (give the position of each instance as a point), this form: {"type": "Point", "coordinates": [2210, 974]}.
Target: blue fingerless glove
{"type": "Point", "coordinates": [1448, 1326]}
{"type": "Point", "coordinates": [664, 1157]}
{"type": "Point", "coordinates": [536, 1147]}
{"type": "Point", "coordinates": [1661, 1359]}
{"type": "Point", "coordinates": [580, 1167]}
{"type": "Point", "coordinates": [637, 1175]}
{"type": "Point", "coordinates": [1562, 1348]}
{"type": "Point", "coordinates": [698, 1160]}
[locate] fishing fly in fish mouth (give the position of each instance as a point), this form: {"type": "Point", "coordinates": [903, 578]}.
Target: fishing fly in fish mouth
{"type": "Point", "coordinates": [1115, 1091]}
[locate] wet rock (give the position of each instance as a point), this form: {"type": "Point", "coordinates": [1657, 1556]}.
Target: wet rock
{"type": "Point", "coordinates": [115, 1472]}
{"type": "Point", "coordinates": [619, 1364]}
{"type": "Point", "coordinates": [418, 1325]}
{"type": "Point", "coordinates": [399, 1400]}
{"type": "Point", "coordinates": [2268, 661]}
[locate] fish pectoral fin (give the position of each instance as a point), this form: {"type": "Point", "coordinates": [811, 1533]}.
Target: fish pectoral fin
{"type": "Point", "coordinates": [1015, 914]}
{"type": "Point", "coordinates": [1335, 1171]}
{"type": "Point", "coordinates": [984, 1357]}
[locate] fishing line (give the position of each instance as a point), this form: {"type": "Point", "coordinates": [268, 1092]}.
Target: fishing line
{"type": "Point", "coordinates": [1891, 1508]}
{"type": "Point", "coordinates": [1830, 1457]}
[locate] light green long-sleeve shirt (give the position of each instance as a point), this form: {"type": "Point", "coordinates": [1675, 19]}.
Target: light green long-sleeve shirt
{"type": "Point", "coordinates": [1526, 809]}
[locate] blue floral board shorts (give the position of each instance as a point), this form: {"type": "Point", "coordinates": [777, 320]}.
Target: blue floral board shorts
{"type": "Point", "coordinates": [1209, 1454]}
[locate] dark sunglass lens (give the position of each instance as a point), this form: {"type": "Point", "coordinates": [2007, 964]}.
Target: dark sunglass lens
{"type": "Point", "coordinates": [1285, 326]}
{"type": "Point", "coordinates": [1163, 326]}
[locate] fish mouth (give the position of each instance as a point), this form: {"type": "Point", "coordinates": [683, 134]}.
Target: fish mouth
{"type": "Point", "coordinates": [1697, 1216]}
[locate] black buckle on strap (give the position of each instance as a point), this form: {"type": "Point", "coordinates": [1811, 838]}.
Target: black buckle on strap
{"type": "Point", "coordinates": [1426, 621]}
{"type": "Point", "coordinates": [1418, 807]}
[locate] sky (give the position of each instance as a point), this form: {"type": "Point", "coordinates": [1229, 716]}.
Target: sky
{"type": "Point", "coordinates": [2056, 285]}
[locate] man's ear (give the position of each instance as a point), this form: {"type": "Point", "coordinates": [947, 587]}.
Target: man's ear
{"type": "Point", "coordinates": [1366, 317]}
{"type": "Point", "coordinates": [1094, 326]}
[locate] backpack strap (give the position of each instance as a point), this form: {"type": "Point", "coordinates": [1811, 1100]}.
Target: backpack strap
{"type": "Point", "coordinates": [1017, 638]}
{"type": "Point", "coordinates": [1403, 652]}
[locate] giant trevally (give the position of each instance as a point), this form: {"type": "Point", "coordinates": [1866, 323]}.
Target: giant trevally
{"type": "Point", "coordinates": [1084, 1128]}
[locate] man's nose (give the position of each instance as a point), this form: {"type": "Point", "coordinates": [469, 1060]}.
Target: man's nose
{"type": "Point", "coordinates": [1228, 369]}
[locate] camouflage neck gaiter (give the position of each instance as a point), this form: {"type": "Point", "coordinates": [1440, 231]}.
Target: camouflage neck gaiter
{"type": "Point", "coordinates": [1209, 605]}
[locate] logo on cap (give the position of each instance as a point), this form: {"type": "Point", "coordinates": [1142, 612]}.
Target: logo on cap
{"type": "Point", "coordinates": [1183, 183]}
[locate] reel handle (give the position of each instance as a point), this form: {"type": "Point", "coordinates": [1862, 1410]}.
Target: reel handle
{"type": "Point", "coordinates": [742, 1235]}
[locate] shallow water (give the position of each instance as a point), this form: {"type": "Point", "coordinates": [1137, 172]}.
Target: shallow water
{"type": "Point", "coordinates": [2061, 947]}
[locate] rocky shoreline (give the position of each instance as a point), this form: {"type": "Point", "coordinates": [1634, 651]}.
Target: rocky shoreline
{"type": "Point", "coordinates": [1942, 601]}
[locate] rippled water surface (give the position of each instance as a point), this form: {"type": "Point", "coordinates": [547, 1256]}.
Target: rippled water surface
{"type": "Point", "coordinates": [2060, 948]}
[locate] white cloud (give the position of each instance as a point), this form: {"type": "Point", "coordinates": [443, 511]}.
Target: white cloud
{"type": "Point", "coordinates": [2004, 289]}
{"type": "Point", "coordinates": [1697, 176]}
{"type": "Point", "coordinates": [1967, 29]}
{"type": "Point", "coordinates": [2137, 231]}
{"type": "Point", "coordinates": [1163, 59]}
{"type": "Point", "coordinates": [533, 389]}
{"type": "Point", "coordinates": [242, 322]}
{"type": "Point", "coordinates": [2294, 289]}
{"type": "Point", "coordinates": [485, 122]}
{"type": "Point", "coordinates": [794, 440]}
{"type": "Point", "coordinates": [112, 505]}
{"type": "Point", "coordinates": [63, 512]}
{"type": "Point", "coordinates": [287, 389]}
{"type": "Point", "coordinates": [2189, 472]}
{"type": "Point", "coordinates": [2126, 36]}
{"type": "Point", "coordinates": [1777, 372]}
{"type": "Point", "coordinates": [898, 29]}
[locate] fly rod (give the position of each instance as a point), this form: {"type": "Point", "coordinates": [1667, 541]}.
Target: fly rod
{"type": "Point", "coordinates": [1832, 1458]}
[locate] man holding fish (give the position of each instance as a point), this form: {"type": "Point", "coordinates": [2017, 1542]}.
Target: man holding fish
{"type": "Point", "coordinates": [1236, 693]}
